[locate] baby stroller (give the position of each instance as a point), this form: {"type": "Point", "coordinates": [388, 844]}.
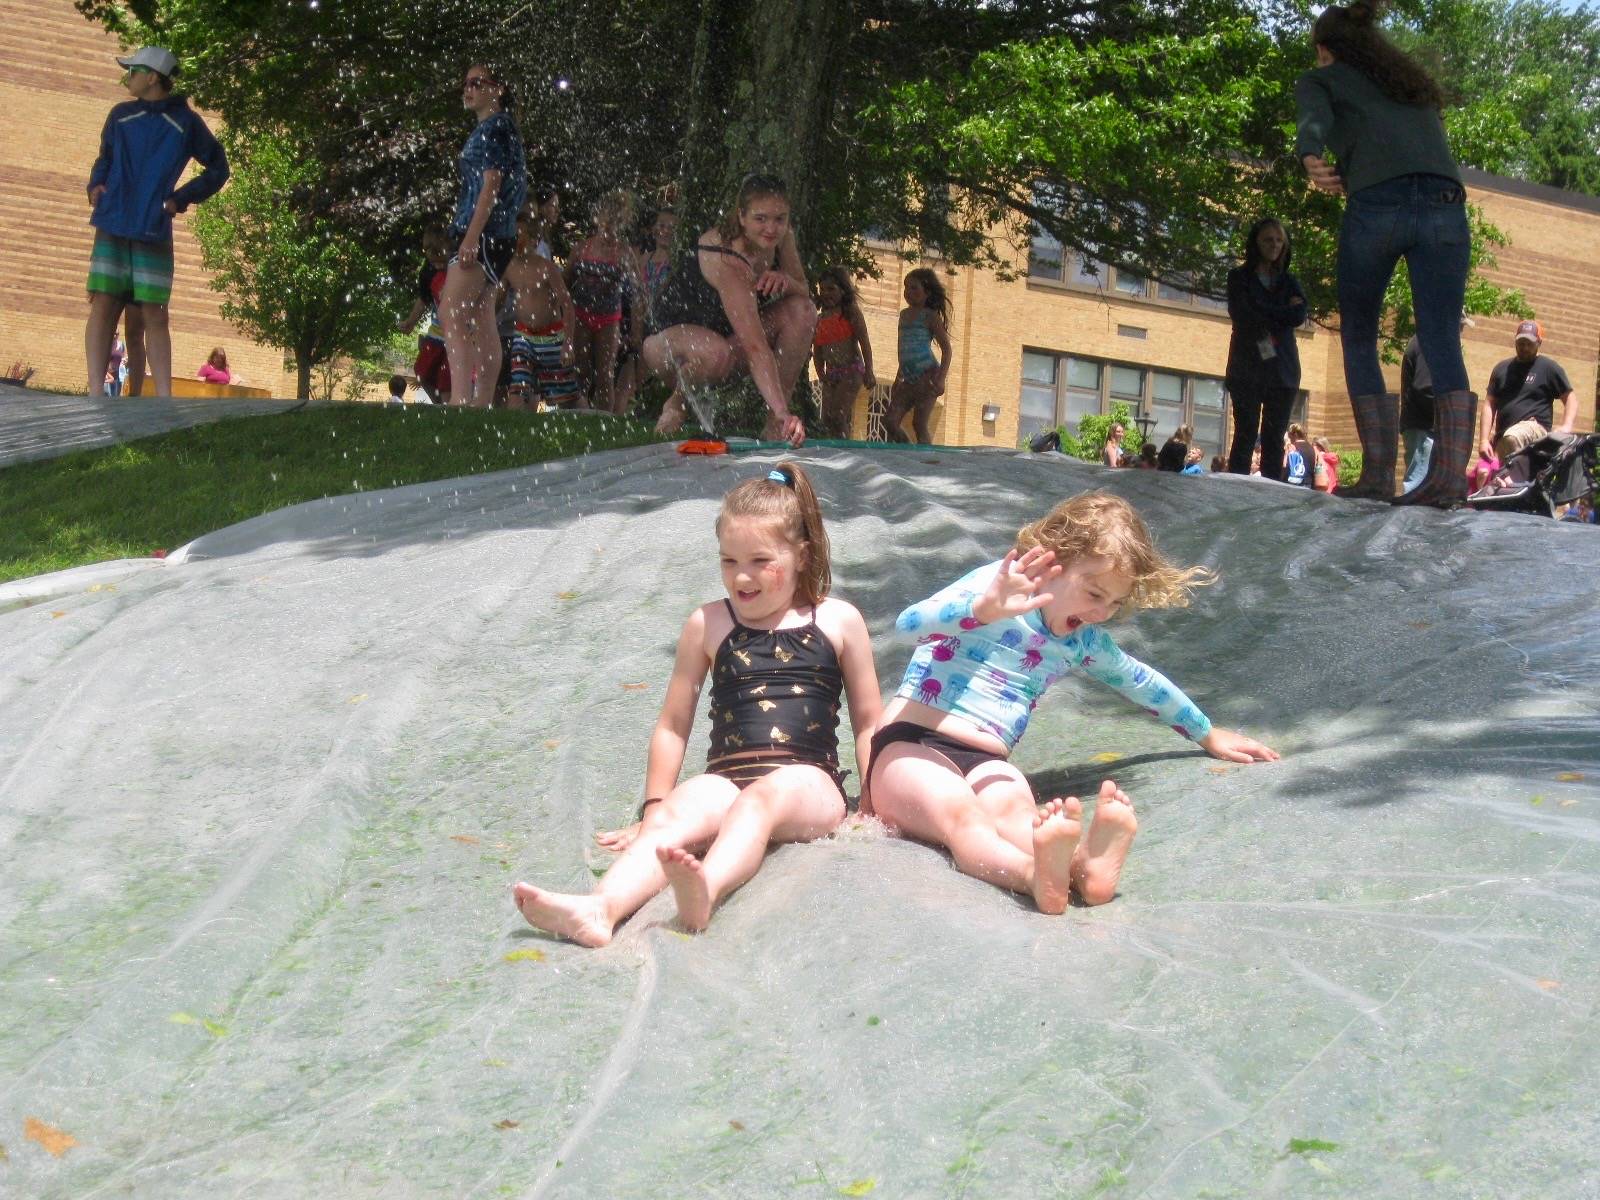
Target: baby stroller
{"type": "Point", "coordinates": [1555, 470]}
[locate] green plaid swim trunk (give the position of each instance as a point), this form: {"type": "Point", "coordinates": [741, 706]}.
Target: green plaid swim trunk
{"type": "Point", "coordinates": [130, 270]}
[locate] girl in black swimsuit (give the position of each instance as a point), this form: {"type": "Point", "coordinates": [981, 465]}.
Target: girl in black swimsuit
{"type": "Point", "coordinates": [782, 653]}
{"type": "Point", "coordinates": [738, 302]}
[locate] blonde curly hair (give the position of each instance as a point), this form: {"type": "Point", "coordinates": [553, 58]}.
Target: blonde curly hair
{"type": "Point", "coordinates": [1102, 524]}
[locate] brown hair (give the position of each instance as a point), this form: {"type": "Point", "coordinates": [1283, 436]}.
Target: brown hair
{"type": "Point", "coordinates": [934, 298]}
{"type": "Point", "coordinates": [218, 358]}
{"type": "Point", "coordinates": [753, 187]}
{"type": "Point", "coordinates": [1102, 524]}
{"type": "Point", "coordinates": [789, 498]}
{"type": "Point", "coordinates": [1349, 33]}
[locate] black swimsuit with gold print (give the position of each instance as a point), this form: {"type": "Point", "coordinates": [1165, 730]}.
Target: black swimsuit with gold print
{"type": "Point", "coordinates": [775, 691]}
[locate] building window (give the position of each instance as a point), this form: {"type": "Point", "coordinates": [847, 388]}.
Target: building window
{"type": "Point", "coordinates": [1062, 389]}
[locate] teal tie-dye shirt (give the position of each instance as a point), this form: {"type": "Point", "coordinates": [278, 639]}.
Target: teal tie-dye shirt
{"type": "Point", "coordinates": [993, 675]}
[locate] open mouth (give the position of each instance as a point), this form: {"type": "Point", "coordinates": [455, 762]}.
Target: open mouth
{"type": "Point", "coordinates": [1073, 623]}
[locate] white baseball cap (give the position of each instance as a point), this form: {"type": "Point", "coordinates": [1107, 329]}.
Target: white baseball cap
{"type": "Point", "coordinates": [159, 59]}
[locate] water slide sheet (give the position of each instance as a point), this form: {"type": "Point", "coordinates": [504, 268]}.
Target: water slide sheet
{"type": "Point", "coordinates": [44, 424]}
{"type": "Point", "coordinates": [260, 806]}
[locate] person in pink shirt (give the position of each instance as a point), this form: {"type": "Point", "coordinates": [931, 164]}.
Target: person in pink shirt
{"type": "Point", "coordinates": [215, 368]}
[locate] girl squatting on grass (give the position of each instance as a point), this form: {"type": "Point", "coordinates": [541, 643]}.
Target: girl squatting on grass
{"type": "Point", "coordinates": [989, 646]}
{"type": "Point", "coordinates": [781, 652]}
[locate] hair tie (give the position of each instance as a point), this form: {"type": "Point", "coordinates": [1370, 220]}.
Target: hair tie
{"type": "Point", "coordinates": [780, 476]}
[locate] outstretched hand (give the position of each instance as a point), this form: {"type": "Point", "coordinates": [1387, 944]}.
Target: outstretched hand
{"type": "Point", "coordinates": [1236, 747]}
{"type": "Point", "coordinates": [1014, 590]}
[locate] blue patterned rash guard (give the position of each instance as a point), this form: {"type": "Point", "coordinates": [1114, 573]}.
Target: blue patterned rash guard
{"type": "Point", "coordinates": [993, 675]}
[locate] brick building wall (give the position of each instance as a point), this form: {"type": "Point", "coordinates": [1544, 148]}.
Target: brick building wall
{"type": "Point", "coordinates": [1553, 253]}
{"type": "Point", "coordinates": [60, 81]}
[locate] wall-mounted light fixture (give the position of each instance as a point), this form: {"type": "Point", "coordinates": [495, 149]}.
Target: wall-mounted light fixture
{"type": "Point", "coordinates": [991, 413]}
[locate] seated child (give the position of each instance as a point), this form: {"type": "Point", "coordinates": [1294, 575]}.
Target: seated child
{"type": "Point", "coordinates": [989, 646]}
{"type": "Point", "coordinates": [431, 368]}
{"type": "Point", "coordinates": [541, 339]}
{"type": "Point", "coordinates": [780, 652]}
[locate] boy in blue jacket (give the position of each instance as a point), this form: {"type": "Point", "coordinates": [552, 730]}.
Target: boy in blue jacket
{"type": "Point", "coordinates": [146, 143]}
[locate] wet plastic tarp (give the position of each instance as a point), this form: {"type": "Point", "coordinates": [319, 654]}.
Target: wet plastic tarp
{"type": "Point", "coordinates": [43, 424]}
{"type": "Point", "coordinates": [260, 806]}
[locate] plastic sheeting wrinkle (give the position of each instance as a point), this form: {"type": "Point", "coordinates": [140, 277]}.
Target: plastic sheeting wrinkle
{"type": "Point", "coordinates": [619, 1064]}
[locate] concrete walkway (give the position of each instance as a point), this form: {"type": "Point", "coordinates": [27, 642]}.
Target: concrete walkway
{"type": "Point", "coordinates": [43, 425]}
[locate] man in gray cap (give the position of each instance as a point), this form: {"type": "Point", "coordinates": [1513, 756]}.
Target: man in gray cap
{"type": "Point", "coordinates": [146, 144]}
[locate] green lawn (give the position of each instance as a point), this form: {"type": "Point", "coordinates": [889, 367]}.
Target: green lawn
{"type": "Point", "coordinates": [157, 493]}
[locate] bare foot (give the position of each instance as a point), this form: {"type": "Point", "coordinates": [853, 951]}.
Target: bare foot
{"type": "Point", "coordinates": [1104, 849]}
{"type": "Point", "coordinates": [672, 416]}
{"type": "Point", "coordinates": [581, 919]}
{"type": "Point", "coordinates": [1056, 830]}
{"type": "Point", "coordinates": [687, 875]}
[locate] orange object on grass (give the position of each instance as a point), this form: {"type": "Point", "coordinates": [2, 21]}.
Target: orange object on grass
{"type": "Point", "coordinates": [703, 446]}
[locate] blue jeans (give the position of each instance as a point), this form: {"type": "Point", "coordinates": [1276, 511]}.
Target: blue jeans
{"type": "Point", "coordinates": [1423, 219]}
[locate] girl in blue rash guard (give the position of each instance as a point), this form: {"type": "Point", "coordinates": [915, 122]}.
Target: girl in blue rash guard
{"type": "Point", "coordinates": [989, 647]}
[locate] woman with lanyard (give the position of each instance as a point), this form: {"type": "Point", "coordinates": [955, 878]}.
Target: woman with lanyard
{"type": "Point", "coordinates": [1379, 112]}
{"type": "Point", "coordinates": [494, 180]}
{"type": "Point", "coordinates": [738, 301]}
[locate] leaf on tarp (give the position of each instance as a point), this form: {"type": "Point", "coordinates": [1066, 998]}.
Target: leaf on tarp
{"type": "Point", "coordinates": [634, 687]}
{"type": "Point", "coordinates": [874, 1020]}
{"type": "Point", "coordinates": [736, 1126]}
{"type": "Point", "coordinates": [1218, 770]}
{"type": "Point", "coordinates": [466, 839]}
{"type": "Point", "coordinates": [215, 1028]}
{"type": "Point", "coordinates": [860, 1187]}
{"type": "Point", "coordinates": [1419, 624]}
{"type": "Point", "coordinates": [528, 955]}
{"type": "Point", "coordinates": [495, 1062]}
{"type": "Point", "coordinates": [1310, 1145]}
{"type": "Point", "coordinates": [1548, 985]}
{"type": "Point", "coordinates": [56, 1141]}
{"type": "Point", "coordinates": [551, 744]}
{"type": "Point", "coordinates": [357, 699]}
{"type": "Point", "coordinates": [1536, 800]}
{"type": "Point", "coordinates": [508, 1123]}
{"type": "Point", "coordinates": [4, 1157]}
{"type": "Point", "coordinates": [183, 1018]}
{"type": "Point", "coordinates": [566, 595]}
{"type": "Point", "coordinates": [1570, 777]}
{"type": "Point", "coordinates": [1105, 756]}
{"type": "Point", "coordinates": [102, 587]}
{"type": "Point", "coordinates": [1568, 802]}
{"type": "Point", "coordinates": [57, 615]}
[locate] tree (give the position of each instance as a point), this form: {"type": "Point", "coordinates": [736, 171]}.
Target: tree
{"type": "Point", "coordinates": [289, 278]}
{"type": "Point", "coordinates": [1538, 61]}
{"type": "Point", "coordinates": [1139, 132]}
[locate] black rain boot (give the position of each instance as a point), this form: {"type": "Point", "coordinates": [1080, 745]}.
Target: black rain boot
{"type": "Point", "coordinates": [1378, 425]}
{"type": "Point", "coordinates": [1445, 484]}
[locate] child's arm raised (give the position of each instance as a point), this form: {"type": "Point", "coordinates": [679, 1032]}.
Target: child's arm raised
{"type": "Point", "coordinates": [1009, 588]}
{"type": "Point", "coordinates": [861, 692]}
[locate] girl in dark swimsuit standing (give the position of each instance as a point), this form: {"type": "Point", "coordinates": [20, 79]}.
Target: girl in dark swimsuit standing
{"type": "Point", "coordinates": [601, 268]}
{"type": "Point", "coordinates": [781, 653]}
{"type": "Point", "coordinates": [738, 302]}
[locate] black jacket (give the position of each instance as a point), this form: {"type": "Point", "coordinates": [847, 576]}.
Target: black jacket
{"type": "Point", "coordinates": [1260, 312]}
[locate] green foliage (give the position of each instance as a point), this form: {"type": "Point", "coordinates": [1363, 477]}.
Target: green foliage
{"type": "Point", "coordinates": [1143, 134]}
{"type": "Point", "coordinates": [1531, 68]}
{"type": "Point", "coordinates": [157, 493]}
{"type": "Point", "coordinates": [1095, 428]}
{"type": "Point", "coordinates": [290, 279]}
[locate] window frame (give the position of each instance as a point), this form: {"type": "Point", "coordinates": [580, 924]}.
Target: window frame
{"type": "Point", "coordinates": [1144, 407]}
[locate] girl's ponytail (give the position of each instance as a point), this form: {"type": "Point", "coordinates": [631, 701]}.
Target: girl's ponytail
{"type": "Point", "coordinates": [785, 494]}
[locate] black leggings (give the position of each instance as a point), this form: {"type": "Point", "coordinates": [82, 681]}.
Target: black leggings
{"type": "Point", "coordinates": [1263, 410]}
